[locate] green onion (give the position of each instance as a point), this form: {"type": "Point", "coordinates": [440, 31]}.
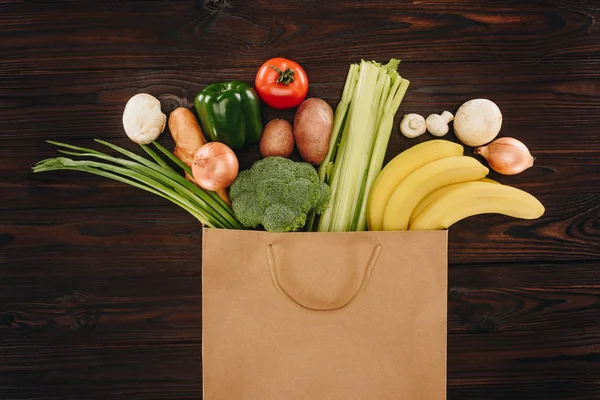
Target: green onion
{"type": "Point", "coordinates": [362, 127]}
{"type": "Point", "coordinates": [153, 176]}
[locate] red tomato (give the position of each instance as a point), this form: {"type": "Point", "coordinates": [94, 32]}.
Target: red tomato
{"type": "Point", "coordinates": [281, 83]}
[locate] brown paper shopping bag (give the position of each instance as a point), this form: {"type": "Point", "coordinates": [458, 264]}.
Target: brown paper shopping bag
{"type": "Point", "coordinates": [324, 316]}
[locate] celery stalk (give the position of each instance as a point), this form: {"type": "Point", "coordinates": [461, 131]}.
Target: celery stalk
{"type": "Point", "coordinates": [339, 123]}
{"type": "Point", "coordinates": [381, 143]}
{"type": "Point", "coordinates": [339, 118]}
{"type": "Point", "coordinates": [355, 158]}
{"type": "Point", "coordinates": [333, 181]}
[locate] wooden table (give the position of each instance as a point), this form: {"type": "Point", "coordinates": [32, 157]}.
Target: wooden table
{"type": "Point", "coordinates": [100, 283]}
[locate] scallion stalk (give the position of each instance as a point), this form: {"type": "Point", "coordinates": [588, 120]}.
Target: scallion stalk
{"type": "Point", "coordinates": [55, 164]}
{"type": "Point", "coordinates": [153, 176]}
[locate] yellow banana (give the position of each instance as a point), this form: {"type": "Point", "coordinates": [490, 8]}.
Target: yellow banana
{"type": "Point", "coordinates": [399, 168]}
{"type": "Point", "coordinates": [473, 198]}
{"type": "Point", "coordinates": [425, 180]}
{"type": "Point", "coordinates": [438, 193]}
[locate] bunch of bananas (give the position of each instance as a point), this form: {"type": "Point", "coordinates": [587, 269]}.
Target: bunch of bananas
{"type": "Point", "coordinates": [433, 185]}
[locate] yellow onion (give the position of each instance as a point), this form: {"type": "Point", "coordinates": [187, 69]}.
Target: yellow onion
{"type": "Point", "coordinates": [215, 166]}
{"type": "Point", "coordinates": [507, 156]}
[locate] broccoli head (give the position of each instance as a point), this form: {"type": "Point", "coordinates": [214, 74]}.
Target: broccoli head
{"type": "Point", "coordinates": [278, 193]}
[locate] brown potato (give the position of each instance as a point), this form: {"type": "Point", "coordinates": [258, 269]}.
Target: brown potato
{"type": "Point", "coordinates": [277, 139]}
{"type": "Point", "coordinates": [313, 124]}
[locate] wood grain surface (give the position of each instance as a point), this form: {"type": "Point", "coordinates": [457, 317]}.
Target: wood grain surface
{"type": "Point", "coordinates": [100, 283]}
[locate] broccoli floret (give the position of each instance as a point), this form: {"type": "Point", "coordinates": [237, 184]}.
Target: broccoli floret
{"type": "Point", "coordinates": [240, 184]}
{"type": "Point", "coordinates": [249, 212]}
{"type": "Point", "coordinates": [306, 171]}
{"type": "Point", "coordinates": [281, 218]}
{"type": "Point", "coordinates": [324, 197]}
{"type": "Point", "coordinates": [278, 193]}
{"type": "Point", "coordinates": [270, 191]}
{"type": "Point", "coordinates": [301, 195]}
{"type": "Point", "coordinates": [273, 167]}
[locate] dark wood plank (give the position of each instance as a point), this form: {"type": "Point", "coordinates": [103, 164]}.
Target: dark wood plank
{"type": "Point", "coordinates": [173, 371]}
{"type": "Point", "coordinates": [554, 362]}
{"type": "Point", "coordinates": [102, 372]}
{"type": "Point", "coordinates": [22, 189]}
{"type": "Point", "coordinates": [71, 311]}
{"type": "Point", "coordinates": [540, 358]}
{"type": "Point", "coordinates": [176, 34]}
{"type": "Point", "coordinates": [568, 231]}
{"type": "Point", "coordinates": [128, 307]}
{"type": "Point", "coordinates": [556, 372]}
{"type": "Point", "coordinates": [524, 306]}
{"type": "Point", "coordinates": [554, 390]}
{"type": "Point", "coordinates": [541, 101]}
{"type": "Point", "coordinates": [94, 242]}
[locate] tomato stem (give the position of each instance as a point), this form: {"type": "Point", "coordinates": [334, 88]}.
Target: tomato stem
{"type": "Point", "coordinates": [286, 77]}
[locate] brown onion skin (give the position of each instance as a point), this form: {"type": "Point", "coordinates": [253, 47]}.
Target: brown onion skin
{"type": "Point", "coordinates": [215, 166]}
{"type": "Point", "coordinates": [507, 156]}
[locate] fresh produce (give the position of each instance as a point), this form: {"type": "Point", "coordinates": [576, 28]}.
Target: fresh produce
{"type": "Point", "coordinates": [231, 113]}
{"type": "Point", "coordinates": [277, 139]}
{"type": "Point", "coordinates": [473, 198]}
{"type": "Point", "coordinates": [142, 119]}
{"type": "Point", "coordinates": [399, 168]}
{"type": "Point", "coordinates": [278, 193]}
{"type": "Point", "coordinates": [507, 156]}
{"type": "Point", "coordinates": [413, 125]}
{"type": "Point", "coordinates": [215, 166]}
{"type": "Point", "coordinates": [425, 180]}
{"type": "Point", "coordinates": [437, 194]}
{"type": "Point", "coordinates": [437, 125]}
{"type": "Point", "coordinates": [477, 122]}
{"type": "Point", "coordinates": [281, 83]}
{"type": "Point", "coordinates": [429, 186]}
{"type": "Point", "coordinates": [152, 176]}
{"type": "Point", "coordinates": [188, 137]}
{"type": "Point", "coordinates": [361, 131]}
{"type": "Point", "coordinates": [313, 123]}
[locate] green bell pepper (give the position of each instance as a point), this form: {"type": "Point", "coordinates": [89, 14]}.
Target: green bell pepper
{"type": "Point", "coordinates": [231, 113]}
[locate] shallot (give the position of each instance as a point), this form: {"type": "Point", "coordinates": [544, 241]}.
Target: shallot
{"type": "Point", "coordinates": [507, 156]}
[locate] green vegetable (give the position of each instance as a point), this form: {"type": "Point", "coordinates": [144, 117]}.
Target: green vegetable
{"type": "Point", "coordinates": [231, 113]}
{"type": "Point", "coordinates": [278, 193]}
{"type": "Point", "coordinates": [361, 132]}
{"type": "Point", "coordinates": [152, 176]}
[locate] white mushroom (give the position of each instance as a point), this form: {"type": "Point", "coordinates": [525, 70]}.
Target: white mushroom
{"type": "Point", "coordinates": [142, 119]}
{"type": "Point", "coordinates": [437, 125]}
{"type": "Point", "coordinates": [412, 125]}
{"type": "Point", "coordinates": [477, 122]}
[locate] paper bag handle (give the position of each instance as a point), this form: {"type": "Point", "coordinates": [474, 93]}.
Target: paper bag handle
{"type": "Point", "coordinates": [361, 288]}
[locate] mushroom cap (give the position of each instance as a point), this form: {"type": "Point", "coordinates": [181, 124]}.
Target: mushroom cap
{"type": "Point", "coordinates": [436, 125]}
{"type": "Point", "coordinates": [412, 125]}
{"type": "Point", "coordinates": [477, 122]}
{"type": "Point", "coordinates": [143, 119]}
